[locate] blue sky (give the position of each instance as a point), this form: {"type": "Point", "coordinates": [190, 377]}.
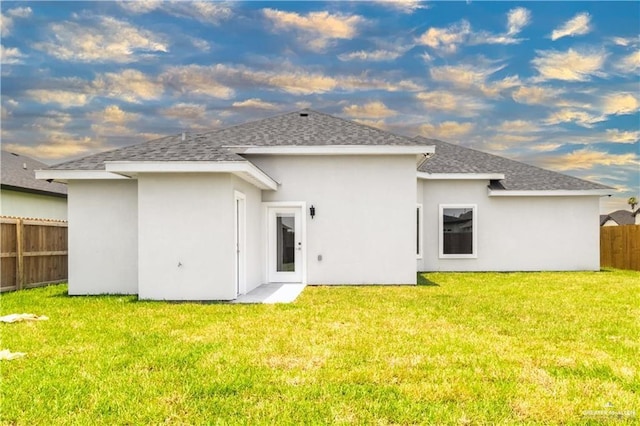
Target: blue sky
{"type": "Point", "coordinates": [554, 84]}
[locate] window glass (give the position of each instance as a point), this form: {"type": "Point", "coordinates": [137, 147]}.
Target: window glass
{"type": "Point", "coordinates": [457, 230]}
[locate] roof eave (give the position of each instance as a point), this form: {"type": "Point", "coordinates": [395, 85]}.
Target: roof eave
{"type": "Point", "coordinates": [460, 176]}
{"type": "Point", "coordinates": [242, 169]}
{"type": "Point", "coordinates": [550, 193]}
{"type": "Point", "coordinates": [33, 191]}
{"type": "Point", "coordinates": [334, 149]}
{"type": "Point", "coordinates": [66, 175]}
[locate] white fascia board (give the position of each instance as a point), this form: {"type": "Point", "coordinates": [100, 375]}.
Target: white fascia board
{"type": "Point", "coordinates": [334, 150]}
{"type": "Point", "coordinates": [460, 176]}
{"type": "Point", "coordinates": [242, 169]}
{"type": "Point", "coordinates": [66, 175]}
{"type": "Point", "coordinates": [550, 193]}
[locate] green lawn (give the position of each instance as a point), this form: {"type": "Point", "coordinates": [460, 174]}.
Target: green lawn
{"type": "Point", "coordinates": [459, 349]}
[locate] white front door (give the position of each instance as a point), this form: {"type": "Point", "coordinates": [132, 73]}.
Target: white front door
{"type": "Point", "coordinates": [285, 250]}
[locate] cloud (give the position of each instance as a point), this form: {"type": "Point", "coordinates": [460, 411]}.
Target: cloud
{"type": "Point", "coordinates": [629, 63]}
{"type": "Point", "coordinates": [112, 121]}
{"type": "Point", "coordinates": [545, 147]}
{"type": "Point", "coordinates": [64, 98]}
{"type": "Point", "coordinates": [112, 114]}
{"type": "Point", "coordinates": [380, 124]}
{"type": "Point", "coordinates": [207, 12]}
{"type": "Point", "coordinates": [52, 120]}
{"type": "Point", "coordinates": [6, 21]}
{"type": "Point", "coordinates": [473, 76]}
{"type": "Point", "coordinates": [374, 109]}
{"type": "Point", "coordinates": [10, 55]}
{"type": "Point", "coordinates": [316, 30]}
{"type": "Point", "coordinates": [140, 6]}
{"type": "Point", "coordinates": [378, 55]}
{"type": "Point", "coordinates": [200, 44]}
{"type": "Point", "coordinates": [624, 41]}
{"type": "Point", "coordinates": [569, 66]}
{"type": "Point", "coordinates": [581, 118]}
{"type": "Point", "coordinates": [578, 25]}
{"type": "Point", "coordinates": [446, 130]}
{"type": "Point", "coordinates": [404, 6]}
{"type": "Point", "coordinates": [446, 39]}
{"type": "Point", "coordinates": [504, 141]}
{"type": "Point", "coordinates": [620, 104]}
{"type": "Point", "coordinates": [58, 145]}
{"type": "Point", "coordinates": [219, 80]}
{"type": "Point", "coordinates": [586, 158]}
{"type": "Point", "coordinates": [128, 85]}
{"type": "Point", "coordinates": [517, 126]}
{"type": "Point", "coordinates": [618, 136]}
{"type": "Point", "coordinates": [184, 111]}
{"type": "Point", "coordinates": [460, 104]}
{"type": "Point", "coordinates": [254, 103]}
{"type": "Point", "coordinates": [517, 19]}
{"type": "Point", "coordinates": [535, 95]}
{"type": "Point", "coordinates": [20, 12]}
{"type": "Point", "coordinates": [100, 39]}
{"type": "Point", "coordinates": [191, 116]}
{"type": "Point", "coordinates": [197, 79]}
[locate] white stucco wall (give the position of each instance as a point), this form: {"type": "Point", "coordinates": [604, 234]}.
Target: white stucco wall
{"type": "Point", "coordinates": [23, 204]}
{"type": "Point", "coordinates": [186, 236]}
{"type": "Point", "coordinates": [364, 227]}
{"type": "Point", "coordinates": [515, 233]}
{"type": "Point", "coordinates": [103, 237]}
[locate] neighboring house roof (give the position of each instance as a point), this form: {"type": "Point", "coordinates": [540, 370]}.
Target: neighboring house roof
{"type": "Point", "coordinates": [621, 217]}
{"type": "Point", "coordinates": [452, 159]}
{"type": "Point", "coordinates": [299, 128]}
{"type": "Point", "coordinates": [18, 175]}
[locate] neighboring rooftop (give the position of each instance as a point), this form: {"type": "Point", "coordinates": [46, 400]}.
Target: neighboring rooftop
{"type": "Point", "coordinates": [450, 158]}
{"type": "Point", "coordinates": [301, 128]}
{"type": "Point", "coordinates": [621, 217]}
{"type": "Point", "coordinates": [18, 175]}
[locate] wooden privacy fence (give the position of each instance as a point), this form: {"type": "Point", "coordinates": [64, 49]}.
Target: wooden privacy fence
{"type": "Point", "coordinates": [33, 253]}
{"type": "Point", "coordinates": [620, 247]}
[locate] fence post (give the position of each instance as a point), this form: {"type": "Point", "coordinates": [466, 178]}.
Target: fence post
{"type": "Point", "coordinates": [19, 254]}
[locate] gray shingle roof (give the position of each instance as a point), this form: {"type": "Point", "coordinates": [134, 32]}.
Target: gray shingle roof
{"type": "Point", "coordinates": [18, 174]}
{"type": "Point", "coordinates": [306, 127]}
{"type": "Point", "coordinates": [313, 128]}
{"type": "Point", "coordinates": [450, 158]}
{"type": "Point", "coordinates": [170, 148]}
{"type": "Point", "coordinates": [621, 217]}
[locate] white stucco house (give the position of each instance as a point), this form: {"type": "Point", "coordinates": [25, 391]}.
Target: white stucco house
{"type": "Point", "coordinates": [22, 195]}
{"type": "Point", "coordinates": [310, 198]}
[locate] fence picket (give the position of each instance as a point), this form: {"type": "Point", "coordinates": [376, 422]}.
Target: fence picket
{"type": "Point", "coordinates": [620, 247]}
{"type": "Point", "coordinates": [33, 252]}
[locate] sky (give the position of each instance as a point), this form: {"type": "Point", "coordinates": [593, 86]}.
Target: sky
{"type": "Point", "coordinates": [553, 84]}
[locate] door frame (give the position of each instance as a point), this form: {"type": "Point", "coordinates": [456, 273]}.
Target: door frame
{"type": "Point", "coordinates": [267, 207]}
{"type": "Point", "coordinates": [240, 241]}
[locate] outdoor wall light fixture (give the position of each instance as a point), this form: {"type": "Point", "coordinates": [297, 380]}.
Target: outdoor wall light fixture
{"type": "Point", "coordinates": [312, 211]}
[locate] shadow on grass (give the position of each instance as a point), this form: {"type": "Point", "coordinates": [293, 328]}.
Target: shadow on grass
{"type": "Point", "coordinates": [422, 280]}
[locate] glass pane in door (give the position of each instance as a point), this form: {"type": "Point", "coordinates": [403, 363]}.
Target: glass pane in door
{"type": "Point", "coordinates": [286, 240]}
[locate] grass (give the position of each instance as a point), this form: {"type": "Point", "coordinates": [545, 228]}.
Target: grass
{"type": "Point", "coordinates": [473, 348]}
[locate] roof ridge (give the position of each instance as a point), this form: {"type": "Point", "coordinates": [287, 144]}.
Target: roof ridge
{"type": "Point", "coordinates": [232, 126]}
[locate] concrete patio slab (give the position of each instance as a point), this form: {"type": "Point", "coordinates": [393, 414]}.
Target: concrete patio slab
{"type": "Point", "coordinates": [272, 293]}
